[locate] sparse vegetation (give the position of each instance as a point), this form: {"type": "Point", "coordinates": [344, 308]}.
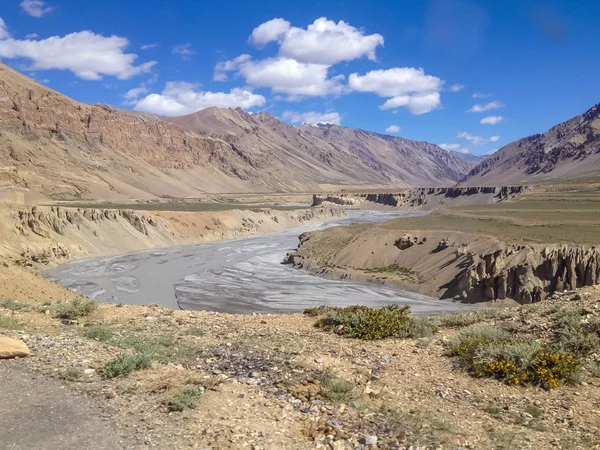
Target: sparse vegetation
{"type": "Point", "coordinates": [184, 398]}
{"type": "Point", "coordinates": [366, 323]}
{"type": "Point", "coordinates": [74, 309]}
{"type": "Point", "coordinates": [9, 323]}
{"type": "Point", "coordinates": [98, 333]}
{"type": "Point", "coordinates": [124, 364]}
{"type": "Point", "coordinates": [418, 327]}
{"type": "Point", "coordinates": [491, 352]}
{"type": "Point", "coordinates": [337, 390]}
{"type": "Point", "coordinates": [195, 332]}
{"type": "Point", "coordinates": [71, 374]}
{"type": "Point", "coordinates": [14, 305]}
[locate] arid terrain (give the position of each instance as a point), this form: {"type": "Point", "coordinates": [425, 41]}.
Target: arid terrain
{"type": "Point", "coordinates": [525, 248]}
{"type": "Point", "coordinates": [510, 240]}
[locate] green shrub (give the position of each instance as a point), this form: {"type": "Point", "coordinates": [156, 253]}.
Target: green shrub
{"type": "Point", "coordinates": [185, 398]}
{"type": "Point", "coordinates": [13, 305]}
{"type": "Point", "coordinates": [366, 323]}
{"type": "Point", "coordinates": [74, 309]}
{"type": "Point", "coordinates": [490, 352]}
{"type": "Point", "coordinates": [574, 335]}
{"type": "Point", "coordinates": [98, 333]}
{"type": "Point", "coordinates": [8, 323]}
{"type": "Point", "coordinates": [123, 365]}
{"type": "Point", "coordinates": [336, 389]}
{"type": "Point", "coordinates": [418, 327]}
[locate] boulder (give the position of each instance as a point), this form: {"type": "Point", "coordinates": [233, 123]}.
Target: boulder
{"type": "Point", "coordinates": [13, 348]}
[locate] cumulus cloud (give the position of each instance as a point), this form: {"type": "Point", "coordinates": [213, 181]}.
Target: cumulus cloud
{"type": "Point", "coordinates": [270, 31]}
{"type": "Point", "coordinates": [4, 34]}
{"type": "Point", "coordinates": [457, 87]}
{"type": "Point", "coordinates": [31, 36]}
{"type": "Point", "coordinates": [88, 55]}
{"type": "Point", "coordinates": [491, 120]}
{"type": "Point", "coordinates": [481, 95]}
{"type": "Point", "coordinates": [406, 86]}
{"type": "Point", "coordinates": [476, 140]}
{"type": "Point", "coordinates": [393, 129]}
{"type": "Point", "coordinates": [181, 98]}
{"type": "Point", "coordinates": [148, 46]}
{"type": "Point", "coordinates": [312, 117]}
{"type": "Point", "coordinates": [185, 51]}
{"type": "Point", "coordinates": [486, 107]}
{"type": "Point", "coordinates": [322, 42]}
{"type": "Point", "coordinates": [285, 76]}
{"type": "Point", "coordinates": [417, 103]}
{"type": "Point", "coordinates": [35, 8]}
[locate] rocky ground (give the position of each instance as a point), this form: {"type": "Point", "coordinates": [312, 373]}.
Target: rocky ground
{"type": "Point", "coordinates": [209, 380]}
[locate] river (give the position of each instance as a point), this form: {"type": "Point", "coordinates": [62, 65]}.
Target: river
{"type": "Point", "coordinates": [236, 276]}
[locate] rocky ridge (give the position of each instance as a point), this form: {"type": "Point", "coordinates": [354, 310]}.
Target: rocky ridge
{"type": "Point", "coordinates": [424, 197]}
{"type": "Point", "coordinates": [568, 150]}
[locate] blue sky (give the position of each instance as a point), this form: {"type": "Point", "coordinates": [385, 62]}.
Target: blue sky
{"type": "Point", "coordinates": [415, 68]}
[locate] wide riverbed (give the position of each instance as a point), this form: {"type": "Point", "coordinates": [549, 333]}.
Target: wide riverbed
{"type": "Point", "coordinates": [236, 276]}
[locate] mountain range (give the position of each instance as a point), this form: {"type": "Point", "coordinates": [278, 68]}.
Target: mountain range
{"type": "Point", "coordinates": [55, 147]}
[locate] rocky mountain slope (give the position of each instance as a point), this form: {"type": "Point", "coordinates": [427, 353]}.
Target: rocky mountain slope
{"type": "Point", "coordinates": [54, 147]}
{"type": "Point", "coordinates": [568, 150]}
{"type": "Point", "coordinates": [326, 153]}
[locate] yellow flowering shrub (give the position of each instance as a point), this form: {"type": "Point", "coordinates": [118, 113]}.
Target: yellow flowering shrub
{"type": "Point", "coordinates": [366, 323]}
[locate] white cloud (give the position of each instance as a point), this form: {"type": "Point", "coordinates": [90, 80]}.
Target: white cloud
{"type": "Point", "coordinates": [481, 95]}
{"type": "Point", "coordinates": [407, 86]}
{"type": "Point", "coordinates": [491, 120]}
{"type": "Point", "coordinates": [457, 87]}
{"type": "Point", "coordinates": [148, 46]}
{"type": "Point", "coordinates": [35, 8]}
{"type": "Point", "coordinates": [134, 93]}
{"type": "Point", "coordinates": [417, 103]}
{"type": "Point", "coordinates": [454, 148]}
{"type": "Point", "coordinates": [185, 51]}
{"type": "Point", "coordinates": [223, 67]}
{"type": "Point", "coordinates": [180, 98]}
{"type": "Point", "coordinates": [4, 34]}
{"type": "Point", "coordinates": [312, 117]}
{"type": "Point", "coordinates": [486, 107]}
{"type": "Point", "coordinates": [273, 30]}
{"type": "Point", "coordinates": [284, 75]}
{"type": "Point", "coordinates": [31, 36]}
{"type": "Point", "coordinates": [322, 42]}
{"type": "Point", "coordinates": [86, 54]}
{"type": "Point", "coordinates": [393, 129]}
{"type": "Point", "coordinates": [395, 81]}
{"type": "Point", "coordinates": [476, 140]}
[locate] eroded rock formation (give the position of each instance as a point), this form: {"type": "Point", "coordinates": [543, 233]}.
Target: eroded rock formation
{"type": "Point", "coordinates": [528, 273]}
{"type": "Point", "coordinates": [421, 197]}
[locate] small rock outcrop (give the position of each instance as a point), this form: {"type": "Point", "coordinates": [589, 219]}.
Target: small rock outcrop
{"type": "Point", "coordinates": [13, 348]}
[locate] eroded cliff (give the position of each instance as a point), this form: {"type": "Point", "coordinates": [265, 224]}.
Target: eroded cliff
{"type": "Point", "coordinates": [449, 264]}
{"type": "Point", "coordinates": [424, 198]}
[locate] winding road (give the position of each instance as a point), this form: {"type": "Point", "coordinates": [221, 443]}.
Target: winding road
{"type": "Point", "coordinates": [236, 276]}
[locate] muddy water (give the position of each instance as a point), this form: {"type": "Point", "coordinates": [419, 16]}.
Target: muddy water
{"type": "Point", "coordinates": [236, 276]}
